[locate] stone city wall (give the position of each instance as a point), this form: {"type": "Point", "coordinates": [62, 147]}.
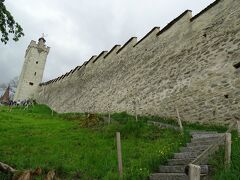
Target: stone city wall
{"type": "Point", "coordinates": [192, 64]}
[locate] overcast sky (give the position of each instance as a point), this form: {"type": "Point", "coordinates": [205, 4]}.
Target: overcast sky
{"type": "Point", "coordinates": [78, 29]}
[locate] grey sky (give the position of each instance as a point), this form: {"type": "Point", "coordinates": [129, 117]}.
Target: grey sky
{"type": "Point", "coordinates": [78, 29]}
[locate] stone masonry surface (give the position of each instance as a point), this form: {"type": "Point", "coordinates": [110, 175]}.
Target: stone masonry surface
{"type": "Point", "coordinates": [32, 71]}
{"type": "Point", "coordinates": [191, 65]}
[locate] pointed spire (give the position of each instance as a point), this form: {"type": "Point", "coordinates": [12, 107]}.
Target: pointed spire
{"type": "Point", "coordinates": [5, 98]}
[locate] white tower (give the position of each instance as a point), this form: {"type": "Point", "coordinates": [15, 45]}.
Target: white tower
{"type": "Point", "coordinates": [32, 71]}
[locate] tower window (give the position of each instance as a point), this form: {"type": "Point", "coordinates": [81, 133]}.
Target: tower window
{"type": "Point", "coordinates": [35, 74]}
{"type": "Point", "coordinates": [226, 96]}
{"type": "Point", "coordinates": [237, 66]}
{"type": "Point", "coordinates": [30, 83]}
{"type": "Point", "coordinates": [36, 62]}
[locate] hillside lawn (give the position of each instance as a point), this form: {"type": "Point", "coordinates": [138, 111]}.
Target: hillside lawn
{"type": "Point", "coordinates": [34, 138]}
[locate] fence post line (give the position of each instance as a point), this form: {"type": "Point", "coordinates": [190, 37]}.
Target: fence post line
{"type": "Point", "coordinates": [194, 172]}
{"type": "Point", "coordinates": [109, 115]}
{"type": "Point", "coordinates": [119, 153]}
{"type": "Point", "coordinates": [238, 128]}
{"type": "Point", "coordinates": [109, 118]}
{"type": "Point", "coordinates": [135, 109]}
{"type": "Point", "coordinates": [228, 142]}
{"type": "Point", "coordinates": [136, 116]}
{"type": "Point", "coordinates": [179, 120]}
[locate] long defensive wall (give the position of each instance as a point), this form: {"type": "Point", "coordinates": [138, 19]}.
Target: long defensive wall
{"type": "Point", "coordinates": [192, 64]}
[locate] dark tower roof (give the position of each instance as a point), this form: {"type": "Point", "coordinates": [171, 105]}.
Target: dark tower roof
{"type": "Point", "coordinates": [41, 38]}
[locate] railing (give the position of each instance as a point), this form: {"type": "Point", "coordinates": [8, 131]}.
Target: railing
{"type": "Point", "coordinates": [209, 151]}
{"type": "Point", "coordinates": [194, 167]}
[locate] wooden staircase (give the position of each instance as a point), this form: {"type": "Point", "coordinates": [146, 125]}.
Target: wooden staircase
{"type": "Point", "coordinates": [197, 151]}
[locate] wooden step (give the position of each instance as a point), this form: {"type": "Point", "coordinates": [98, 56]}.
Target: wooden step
{"type": "Point", "coordinates": [171, 176]}
{"type": "Point", "coordinates": [184, 155]}
{"type": "Point", "coordinates": [203, 132]}
{"type": "Point", "coordinates": [194, 148]}
{"type": "Point", "coordinates": [200, 143]}
{"type": "Point", "coordinates": [173, 162]}
{"type": "Point", "coordinates": [195, 136]}
{"type": "Point", "coordinates": [206, 139]}
{"type": "Point", "coordinates": [180, 169]}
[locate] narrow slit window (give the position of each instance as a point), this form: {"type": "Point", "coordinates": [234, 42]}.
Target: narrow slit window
{"type": "Point", "coordinates": [237, 66]}
{"type": "Point", "coordinates": [35, 74]}
{"type": "Point", "coordinates": [30, 83]}
{"type": "Point", "coordinates": [36, 62]}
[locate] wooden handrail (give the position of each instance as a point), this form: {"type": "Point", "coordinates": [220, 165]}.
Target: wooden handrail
{"type": "Point", "coordinates": [213, 147]}
{"type": "Point", "coordinates": [208, 151]}
{"type": "Point", "coordinates": [231, 127]}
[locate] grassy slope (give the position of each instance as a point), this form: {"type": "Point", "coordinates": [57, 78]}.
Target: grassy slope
{"type": "Point", "coordinates": [34, 138]}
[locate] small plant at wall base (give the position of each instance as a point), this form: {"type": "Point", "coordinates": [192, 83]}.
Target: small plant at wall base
{"type": "Point", "coordinates": [8, 25]}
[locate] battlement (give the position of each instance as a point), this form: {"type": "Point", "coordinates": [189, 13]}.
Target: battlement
{"type": "Point", "coordinates": [153, 32]}
{"type": "Point", "coordinates": [43, 47]}
{"type": "Point", "coordinates": [101, 55]}
{"type": "Point", "coordinates": [187, 13]}
{"type": "Point", "coordinates": [114, 49]}
{"type": "Point", "coordinates": [132, 42]}
{"type": "Point", "coordinates": [205, 10]}
{"type": "Point", "coordinates": [191, 64]}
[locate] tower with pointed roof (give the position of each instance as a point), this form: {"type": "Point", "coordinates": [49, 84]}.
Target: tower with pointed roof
{"type": "Point", "coordinates": [32, 70]}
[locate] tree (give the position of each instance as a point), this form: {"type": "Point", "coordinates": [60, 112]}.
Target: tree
{"type": "Point", "coordinates": [14, 82]}
{"type": "Point", "coordinates": [8, 25]}
{"type": "Point", "coordinates": [3, 86]}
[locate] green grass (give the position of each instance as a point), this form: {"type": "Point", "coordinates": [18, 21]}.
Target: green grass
{"type": "Point", "coordinates": [232, 173]}
{"type": "Point", "coordinates": [33, 138]}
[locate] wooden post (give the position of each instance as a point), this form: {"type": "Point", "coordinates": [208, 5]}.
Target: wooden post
{"type": "Point", "coordinates": [135, 110]}
{"type": "Point", "coordinates": [194, 172]}
{"type": "Point", "coordinates": [119, 153]}
{"type": "Point", "coordinates": [179, 120]}
{"type": "Point", "coordinates": [109, 118]}
{"type": "Point", "coordinates": [109, 115]}
{"type": "Point", "coordinates": [238, 127]}
{"type": "Point", "coordinates": [10, 108]}
{"type": "Point", "coordinates": [136, 116]}
{"type": "Point", "coordinates": [228, 143]}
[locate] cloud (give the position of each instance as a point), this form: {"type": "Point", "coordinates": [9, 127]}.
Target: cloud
{"type": "Point", "coordinates": [79, 29]}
